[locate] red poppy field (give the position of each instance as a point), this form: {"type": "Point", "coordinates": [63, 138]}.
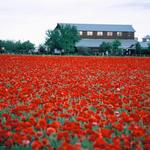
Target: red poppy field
{"type": "Point", "coordinates": [74, 103]}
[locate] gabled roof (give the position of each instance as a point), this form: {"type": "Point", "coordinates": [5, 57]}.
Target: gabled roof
{"type": "Point", "coordinates": [101, 27]}
{"type": "Point", "coordinates": [97, 42]}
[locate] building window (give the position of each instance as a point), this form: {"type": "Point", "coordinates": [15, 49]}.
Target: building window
{"type": "Point", "coordinates": [99, 33]}
{"type": "Point", "coordinates": [89, 33]}
{"type": "Point", "coordinates": [119, 33]}
{"type": "Point", "coordinates": [109, 33]}
{"type": "Point", "coordinates": [80, 32]}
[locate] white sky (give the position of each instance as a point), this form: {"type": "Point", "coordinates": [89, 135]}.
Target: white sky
{"type": "Point", "coordinates": [30, 19]}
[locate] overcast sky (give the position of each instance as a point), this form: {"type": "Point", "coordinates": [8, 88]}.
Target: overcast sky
{"type": "Point", "coordinates": [29, 19]}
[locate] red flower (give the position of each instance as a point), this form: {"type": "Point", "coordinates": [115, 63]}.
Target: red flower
{"type": "Point", "coordinates": [9, 143]}
{"type": "Point", "coordinates": [106, 133]}
{"type": "Point", "coordinates": [118, 126]}
{"type": "Point", "coordinates": [39, 133]}
{"type": "Point", "coordinates": [50, 131]}
{"type": "Point", "coordinates": [100, 143]}
{"type": "Point", "coordinates": [67, 146]}
{"type": "Point", "coordinates": [74, 97]}
{"type": "Point", "coordinates": [36, 145]}
{"type": "Point", "coordinates": [42, 123]}
{"type": "Point", "coordinates": [45, 141]}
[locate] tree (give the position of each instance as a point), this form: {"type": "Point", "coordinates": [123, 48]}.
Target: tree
{"type": "Point", "coordinates": [42, 49]}
{"type": "Point", "coordinates": [17, 47]}
{"type": "Point", "coordinates": [115, 47]}
{"type": "Point", "coordinates": [137, 48]}
{"type": "Point", "coordinates": [148, 46]}
{"type": "Point", "coordinates": [9, 46]}
{"type": "Point", "coordinates": [53, 40]}
{"type": "Point", "coordinates": [1, 46]}
{"type": "Point", "coordinates": [27, 47]}
{"type": "Point", "coordinates": [105, 47]}
{"type": "Point", "coordinates": [62, 38]}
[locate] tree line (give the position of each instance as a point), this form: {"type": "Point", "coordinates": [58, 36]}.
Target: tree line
{"type": "Point", "coordinates": [62, 40]}
{"type": "Point", "coordinates": [17, 47]}
{"type": "Point", "coordinates": [114, 49]}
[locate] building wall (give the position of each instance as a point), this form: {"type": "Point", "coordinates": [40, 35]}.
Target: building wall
{"type": "Point", "coordinates": [125, 35]}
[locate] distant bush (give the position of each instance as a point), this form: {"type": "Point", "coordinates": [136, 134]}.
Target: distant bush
{"type": "Point", "coordinates": [17, 47]}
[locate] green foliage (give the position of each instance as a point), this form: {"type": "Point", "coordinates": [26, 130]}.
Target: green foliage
{"type": "Point", "coordinates": [112, 48]}
{"type": "Point", "coordinates": [148, 46]}
{"type": "Point", "coordinates": [74, 140]}
{"type": "Point", "coordinates": [138, 48]}
{"type": "Point", "coordinates": [115, 47]}
{"type": "Point", "coordinates": [42, 49]}
{"type": "Point", "coordinates": [92, 108]}
{"type": "Point", "coordinates": [1, 47]}
{"type": "Point", "coordinates": [1, 44]}
{"type": "Point", "coordinates": [16, 47]}
{"type": "Point", "coordinates": [53, 39]}
{"type": "Point", "coordinates": [95, 128]}
{"type": "Point", "coordinates": [87, 144]}
{"type": "Point", "coordinates": [26, 46]}
{"type": "Point", "coordinates": [63, 37]}
{"type": "Point", "coordinates": [105, 46]}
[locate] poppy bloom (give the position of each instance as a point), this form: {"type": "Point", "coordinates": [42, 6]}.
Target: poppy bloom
{"type": "Point", "coordinates": [106, 133]}
{"type": "Point", "coordinates": [100, 143]}
{"type": "Point", "coordinates": [45, 141]}
{"type": "Point", "coordinates": [118, 126]}
{"type": "Point", "coordinates": [74, 98]}
{"type": "Point", "coordinates": [8, 143]}
{"type": "Point", "coordinates": [39, 133]}
{"type": "Point", "coordinates": [42, 123]}
{"type": "Point", "coordinates": [50, 131]}
{"type": "Point", "coordinates": [36, 145]}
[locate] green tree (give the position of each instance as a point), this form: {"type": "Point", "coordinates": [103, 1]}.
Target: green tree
{"type": "Point", "coordinates": [137, 48]}
{"type": "Point", "coordinates": [64, 37]}
{"type": "Point", "coordinates": [115, 47]}
{"type": "Point", "coordinates": [53, 40]}
{"type": "Point", "coordinates": [1, 46]}
{"type": "Point", "coordinates": [27, 47]}
{"type": "Point", "coordinates": [105, 47]}
{"type": "Point", "coordinates": [42, 49]}
{"type": "Point", "coordinates": [17, 47]}
{"type": "Point", "coordinates": [9, 46]}
{"type": "Point", "coordinates": [148, 46]}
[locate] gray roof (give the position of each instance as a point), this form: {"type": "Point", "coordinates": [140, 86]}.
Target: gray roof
{"type": "Point", "coordinates": [98, 42]}
{"type": "Point", "coordinates": [101, 27]}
